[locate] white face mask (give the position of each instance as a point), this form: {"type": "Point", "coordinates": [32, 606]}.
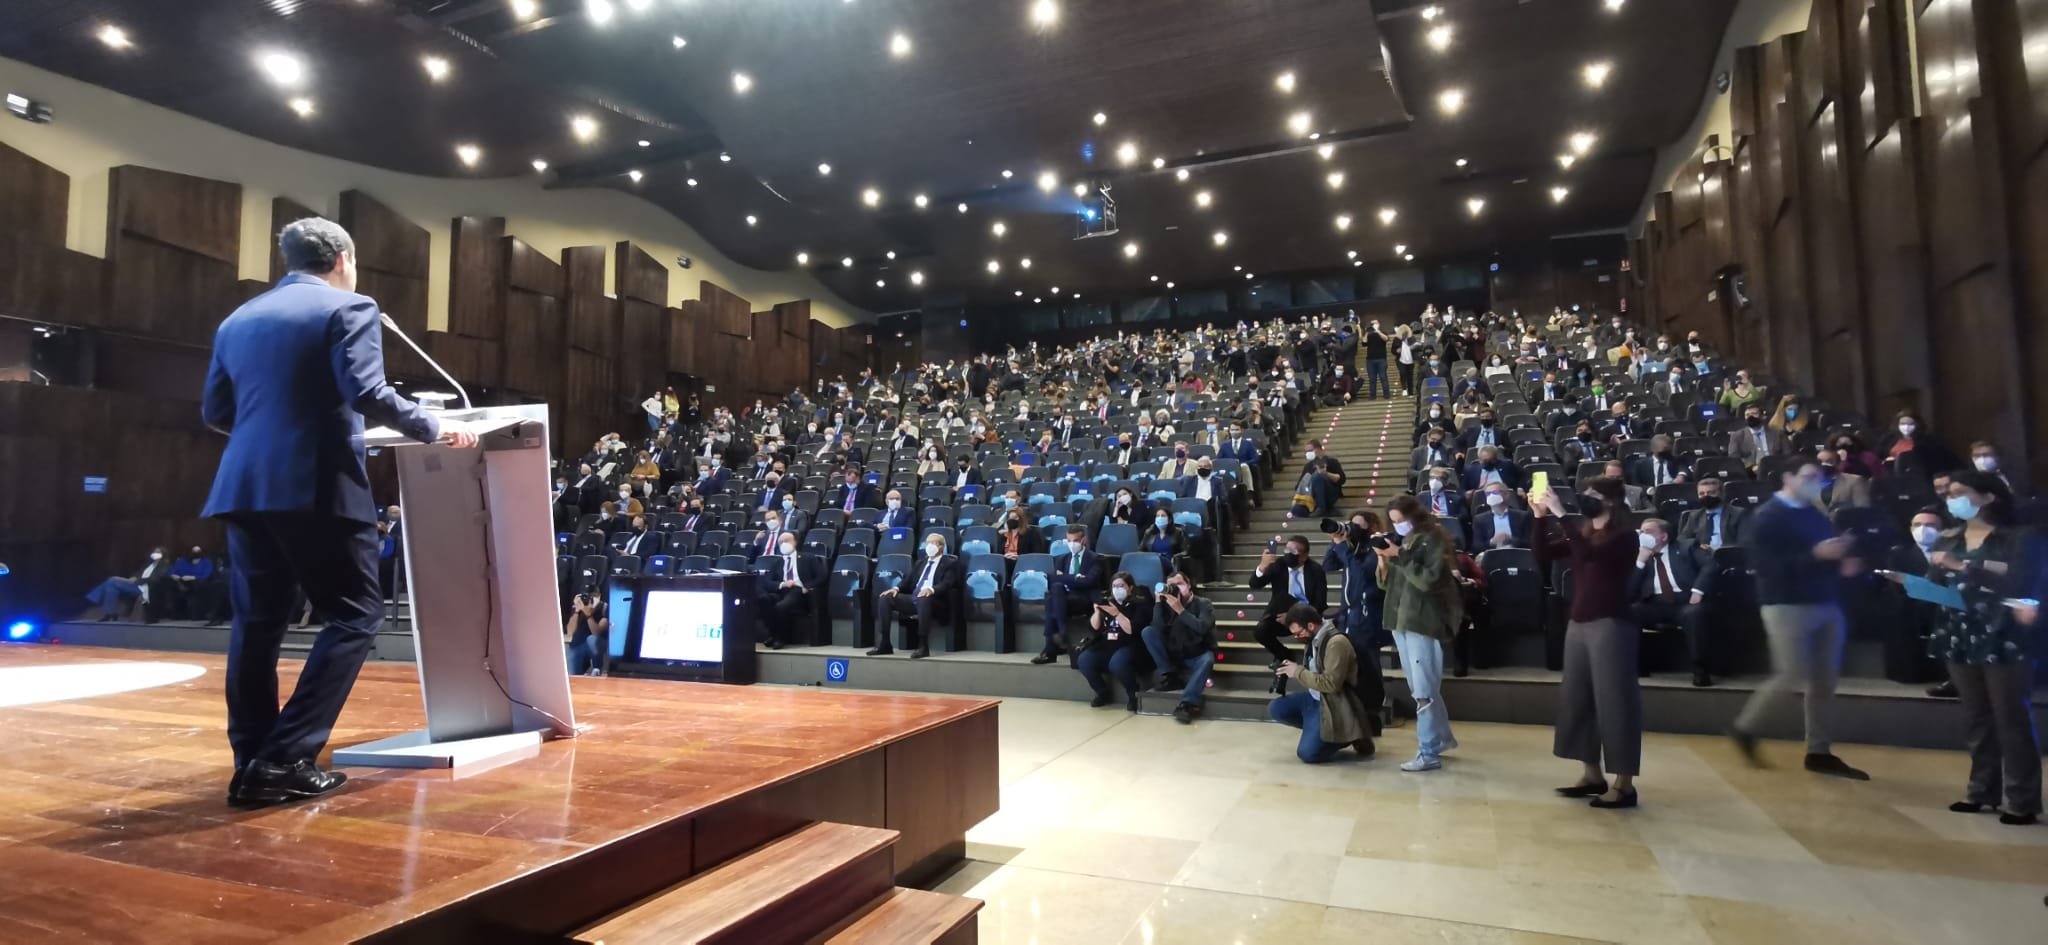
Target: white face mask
{"type": "Point", "coordinates": [1496, 500]}
{"type": "Point", "coordinates": [788, 549]}
{"type": "Point", "coordinates": [1985, 463]}
{"type": "Point", "coordinates": [1436, 485]}
{"type": "Point", "coordinates": [1646, 540]}
{"type": "Point", "coordinates": [934, 550]}
{"type": "Point", "coordinates": [895, 503]}
{"type": "Point", "coordinates": [156, 556]}
{"type": "Point", "coordinates": [1926, 535]}
{"type": "Point", "coordinates": [1404, 528]}
{"type": "Point", "coordinates": [1120, 593]}
{"type": "Point", "coordinates": [627, 494]}
{"type": "Point", "coordinates": [1906, 429]}
{"type": "Point", "coordinates": [1311, 454]}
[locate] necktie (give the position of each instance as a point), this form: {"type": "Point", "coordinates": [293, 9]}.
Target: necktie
{"type": "Point", "coordinates": [1438, 501]}
{"type": "Point", "coordinates": [1076, 568]}
{"type": "Point", "coordinates": [925, 583]}
{"type": "Point", "coordinates": [789, 568]}
{"type": "Point", "coordinates": [1294, 585]}
{"type": "Point", "coordinates": [849, 498]}
{"type": "Point", "coordinates": [1714, 518]}
{"type": "Point", "coordinates": [1664, 583]}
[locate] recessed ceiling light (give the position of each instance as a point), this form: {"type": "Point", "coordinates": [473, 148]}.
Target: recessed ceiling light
{"type": "Point", "coordinates": [1080, 190]}
{"type": "Point", "coordinates": [283, 68]}
{"type": "Point", "coordinates": [113, 36]}
{"type": "Point", "coordinates": [846, 262]}
{"type": "Point", "coordinates": [1130, 250]}
{"type": "Point", "coordinates": [917, 278]}
{"type": "Point", "coordinates": [1237, 269]}
{"type": "Point", "coordinates": [1127, 153]}
{"type": "Point", "coordinates": [1285, 81]}
{"type": "Point", "coordinates": [1299, 122]}
{"type": "Point", "coordinates": [899, 45]}
{"type": "Point", "coordinates": [998, 228]}
{"type": "Point", "coordinates": [1596, 73]}
{"type": "Point", "coordinates": [469, 154]}
{"type": "Point", "coordinates": [600, 11]}
{"type": "Point", "coordinates": [803, 259]}
{"type": "Point", "coordinates": [1055, 290]}
{"type": "Point", "coordinates": [1566, 161]}
{"type": "Point", "coordinates": [583, 127]}
{"type": "Point", "coordinates": [1432, 11]}
{"type": "Point", "coordinates": [1220, 238]}
{"type": "Point", "coordinates": [1158, 163]}
{"type": "Point", "coordinates": [1461, 162]}
{"type": "Point", "coordinates": [1045, 13]}
{"type": "Point", "coordinates": [540, 165]}
{"type": "Point", "coordinates": [1169, 285]}
{"type": "Point", "coordinates": [879, 283]}
{"type": "Point", "coordinates": [1387, 215]}
{"type": "Point", "coordinates": [1247, 275]}
{"type": "Point", "coordinates": [1048, 181]}
{"type": "Point", "coordinates": [1203, 199]}
{"type": "Point", "coordinates": [752, 220]}
{"type": "Point", "coordinates": [691, 182]}
{"type": "Point", "coordinates": [1451, 100]}
{"type": "Point", "coordinates": [962, 208]}
{"type": "Point", "coordinates": [1583, 142]}
{"type": "Point", "coordinates": [1155, 278]}
{"type": "Point", "coordinates": [1019, 293]}
{"type": "Point", "coordinates": [678, 42]}
{"type": "Point", "coordinates": [635, 175]}
{"type": "Point", "coordinates": [724, 157]}
{"type": "Point", "coordinates": [1101, 118]}
{"type": "Point", "coordinates": [643, 142]}
{"type": "Point", "coordinates": [1343, 221]}
{"type": "Point", "coordinates": [995, 265]}
{"type": "Point", "coordinates": [1475, 204]}
{"type": "Point", "coordinates": [871, 197]}
{"type": "Point", "coordinates": [302, 105]}
{"type": "Point", "coordinates": [1181, 174]}
{"type": "Point", "coordinates": [525, 9]}
{"type": "Point", "coordinates": [921, 201]}
{"type": "Point", "coordinates": [1557, 194]}
{"type": "Point", "coordinates": [824, 170]}
{"type": "Point", "coordinates": [1326, 151]}
{"type": "Point", "coordinates": [1439, 37]}
{"type": "Point", "coordinates": [1024, 263]}
{"type": "Point", "coordinates": [1007, 174]}
{"type": "Point", "coordinates": [437, 67]}
{"type": "Point", "coordinates": [1037, 300]}
{"type": "Point", "coordinates": [891, 254]}
{"type": "Point", "coordinates": [1351, 254]}
{"type": "Point", "coordinates": [1336, 180]}
{"type": "Point", "coordinates": [1615, 5]}
{"type": "Point", "coordinates": [742, 82]}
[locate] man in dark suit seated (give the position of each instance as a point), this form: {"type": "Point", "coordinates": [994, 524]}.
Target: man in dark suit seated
{"type": "Point", "coordinates": [768, 495]}
{"type": "Point", "coordinates": [1564, 417]}
{"type": "Point", "coordinates": [694, 518]}
{"type": "Point", "coordinates": [589, 489]}
{"type": "Point", "coordinates": [1434, 452]}
{"type": "Point", "coordinates": [1493, 466]}
{"type": "Point", "coordinates": [1296, 578]}
{"type": "Point", "coordinates": [1712, 526]}
{"type": "Point", "coordinates": [1669, 589]}
{"type": "Point", "coordinates": [712, 477]}
{"type": "Point", "coordinates": [794, 519]}
{"type": "Point", "coordinates": [151, 584]}
{"type": "Point", "coordinates": [1471, 381]}
{"type": "Point", "coordinates": [784, 590]}
{"type": "Point", "coordinates": [643, 543]}
{"type": "Point", "coordinates": [1499, 525]}
{"type": "Point", "coordinates": [852, 493]}
{"type": "Point", "coordinates": [1659, 467]}
{"type": "Point", "coordinates": [1487, 433]}
{"type": "Point", "coordinates": [1439, 491]}
{"type": "Point", "coordinates": [1583, 446]}
{"type": "Point", "coordinates": [1619, 425]}
{"type": "Point", "coordinates": [894, 513]}
{"type": "Point", "coordinates": [964, 474]}
{"type": "Point", "coordinates": [926, 595]}
{"type": "Point", "coordinates": [1075, 573]}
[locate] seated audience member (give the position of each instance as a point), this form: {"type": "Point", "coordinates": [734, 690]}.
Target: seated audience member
{"type": "Point", "coordinates": [694, 519]}
{"type": "Point", "coordinates": [189, 577]}
{"type": "Point", "coordinates": [1124, 508]}
{"type": "Point", "coordinates": [1499, 525]}
{"type": "Point", "coordinates": [894, 515]}
{"type": "Point", "coordinates": [1178, 466]}
{"type": "Point", "coordinates": [1329, 709]}
{"type": "Point", "coordinates": [1912, 450]}
{"type": "Point", "coordinates": [1467, 407]}
{"type": "Point", "coordinates": [1321, 482]}
{"type": "Point", "coordinates": [1167, 540]}
{"type": "Point", "coordinates": [1670, 589]}
{"type": "Point", "coordinates": [852, 493]}
{"type": "Point", "coordinates": [1754, 441]}
{"type": "Point", "coordinates": [1737, 397]}
{"type": "Point", "coordinates": [1439, 493]}
{"type": "Point", "coordinates": [1840, 490]}
{"type": "Point", "coordinates": [964, 474]}
{"type": "Point", "coordinates": [1338, 389]}
{"type": "Point", "coordinates": [1182, 643]}
{"type": "Point", "coordinates": [1793, 419]}
{"type": "Point", "coordinates": [768, 496]}
{"type": "Point", "coordinates": [640, 542]}
{"type": "Point", "coordinates": [1437, 417]}
{"type": "Point", "coordinates": [1565, 417]}
{"type": "Point", "coordinates": [1661, 466]}
{"type": "Point", "coordinates": [712, 476]}
{"type": "Point", "coordinates": [1712, 526]}
{"type": "Point", "coordinates": [783, 591]}
{"type": "Point", "coordinates": [1075, 575]}
{"type": "Point", "coordinates": [931, 460]}
{"type": "Point", "coordinates": [1295, 578]}
{"type": "Point", "coordinates": [1492, 467]}
{"type": "Point", "coordinates": [1471, 382]}
{"type": "Point", "coordinates": [646, 474]}
{"type": "Point", "coordinates": [1117, 620]}
{"type": "Point", "coordinates": [1984, 458]}
{"type": "Point", "coordinates": [151, 585]}
{"type": "Point", "coordinates": [929, 601]}
{"type": "Point", "coordinates": [1620, 425]}
{"type": "Point", "coordinates": [583, 636]}
{"type": "Point", "coordinates": [1584, 446]}
{"type": "Point", "coordinates": [1017, 536]}
{"type": "Point", "coordinates": [1433, 453]}
{"type": "Point", "coordinates": [1487, 433]}
{"type": "Point", "coordinates": [772, 531]}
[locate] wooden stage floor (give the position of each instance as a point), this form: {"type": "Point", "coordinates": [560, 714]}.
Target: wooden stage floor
{"type": "Point", "coordinates": [113, 826]}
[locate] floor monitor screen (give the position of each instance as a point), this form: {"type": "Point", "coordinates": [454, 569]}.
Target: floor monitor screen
{"type": "Point", "coordinates": [685, 626]}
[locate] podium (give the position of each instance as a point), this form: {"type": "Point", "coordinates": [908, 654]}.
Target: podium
{"type": "Point", "coordinates": [486, 611]}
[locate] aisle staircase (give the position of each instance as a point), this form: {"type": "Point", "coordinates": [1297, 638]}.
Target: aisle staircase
{"type": "Point", "coordinates": [1371, 439]}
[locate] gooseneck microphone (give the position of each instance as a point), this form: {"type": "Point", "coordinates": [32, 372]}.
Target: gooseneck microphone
{"type": "Point", "coordinates": [392, 324]}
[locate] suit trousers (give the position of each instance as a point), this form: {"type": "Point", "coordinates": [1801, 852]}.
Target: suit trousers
{"type": "Point", "coordinates": [335, 561]}
{"type": "Point", "coordinates": [1679, 610]}
{"type": "Point", "coordinates": [1806, 652]}
{"type": "Point", "coordinates": [1060, 606]}
{"type": "Point", "coordinates": [1601, 719]}
{"type": "Point", "coordinates": [900, 605]}
{"type": "Point", "coordinates": [2005, 751]}
{"type": "Point", "coordinates": [780, 610]}
{"type": "Point", "coordinates": [1272, 633]}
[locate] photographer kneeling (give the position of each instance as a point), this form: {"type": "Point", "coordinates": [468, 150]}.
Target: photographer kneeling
{"type": "Point", "coordinates": [1329, 709]}
{"type": "Point", "coordinates": [583, 635]}
{"type": "Point", "coordinates": [1115, 644]}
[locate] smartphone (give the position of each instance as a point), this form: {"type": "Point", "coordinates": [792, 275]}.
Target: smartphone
{"type": "Point", "coordinates": [1539, 486]}
{"type": "Point", "coordinates": [1273, 547]}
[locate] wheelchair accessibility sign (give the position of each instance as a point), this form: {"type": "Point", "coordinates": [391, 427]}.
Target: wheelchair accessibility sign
{"type": "Point", "coordinates": [835, 670]}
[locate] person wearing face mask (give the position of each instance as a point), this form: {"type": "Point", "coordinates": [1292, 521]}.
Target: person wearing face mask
{"type": "Point", "coordinates": [1797, 560]}
{"type": "Point", "coordinates": [1434, 417]}
{"type": "Point", "coordinates": [1840, 490]}
{"type": "Point", "coordinates": [1115, 645]}
{"type": "Point", "coordinates": [1330, 709]}
{"type": "Point", "coordinates": [1434, 367]}
{"type": "Point", "coordinates": [1125, 509]}
{"type": "Point", "coordinates": [853, 492]}
{"type": "Point", "coordinates": [1600, 720]}
{"type": "Point", "coordinates": [964, 474]}
{"type": "Point", "coordinates": [1988, 646]}
{"type": "Point", "coordinates": [1177, 466]}
{"type": "Point", "coordinates": [151, 585]}
{"type": "Point", "coordinates": [642, 542]}
{"type": "Point", "coordinates": [1739, 395]}
{"type": "Point", "coordinates": [1167, 540]}
{"type": "Point", "coordinates": [712, 476]}
{"type": "Point", "coordinates": [1492, 466]}
{"type": "Point", "coordinates": [930, 460]}
{"type": "Point", "coordinates": [1714, 525]}
{"type": "Point", "coordinates": [1753, 441]}
{"type": "Point", "coordinates": [189, 575]}
{"type": "Point", "coordinates": [923, 599]}
{"type": "Point", "coordinates": [1339, 387]}
{"type": "Point", "coordinates": [1075, 573]}
{"type": "Point", "coordinates": [894, 513]}
{"type": "Point", "coordinates": [1437, 489]}
{"type": "Point", "coordinates": [1294, 578]}
{"type": "Point", "coordinates": [1905, 641]}
{"type": "Point", "coordinates": [1016, 537]}
{"type": "Point", "coordinates": [783, 582]}
{"type": "Point", "coordinates": [1182, 643]}
{"type": "Point", "coordinates": [1424, 609]}
{"type": "Point", "coordinates": [1321, 483]}
{"type": "Point", "coordinates": [1566, 417]}
{"type": "Point", "coordinates": [1500, 524]}
{"type": "Point", "coordinates": [1984, 459]}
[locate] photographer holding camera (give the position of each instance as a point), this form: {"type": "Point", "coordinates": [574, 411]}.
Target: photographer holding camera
{"type": "Point", "coordinates": [1118, 619]}
{"type": "Point", "coordinates": [583, 635]}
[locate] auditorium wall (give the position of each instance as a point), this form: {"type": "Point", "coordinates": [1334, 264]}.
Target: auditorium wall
{"type": "Point", "coordinates": [139, 229]}
{"type": "Point", "coordinates": [1882, 193]}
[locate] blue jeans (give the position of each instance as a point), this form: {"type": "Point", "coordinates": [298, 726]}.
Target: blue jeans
{"type": "Point", "coordinates": [1302, 710]}
{"type": "Point", "coordinates": [1376, 378]}
{"type": "Point", "coordinates": [113, 593]}
{"type": "Point", "coordinates": [584, 655]}
{"type": "Point", "coordinates": [1197, 666]}
{"type": "Point", "coordinates": [1422, 658]}
{"type": "Point", "coordinates": [1121, 661]}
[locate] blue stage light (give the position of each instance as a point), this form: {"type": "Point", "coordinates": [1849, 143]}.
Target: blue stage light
{"type": "Point", "coordinates": [1090, 214]}
{"type": "Point", "coordinates": [20, 631]}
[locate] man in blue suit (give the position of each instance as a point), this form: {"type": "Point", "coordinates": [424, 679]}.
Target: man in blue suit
{"type": "Point", "coordinates": [295, 371]}
{"type": "Point", "coordinates": [1074, 574]}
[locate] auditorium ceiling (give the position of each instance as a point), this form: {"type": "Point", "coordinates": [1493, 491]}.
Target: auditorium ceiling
{"type": "Point", "coordinates": [906, 148]}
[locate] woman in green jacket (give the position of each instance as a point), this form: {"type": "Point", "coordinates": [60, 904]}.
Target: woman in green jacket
{"type": "Point", "coordinates": [1423, 610]}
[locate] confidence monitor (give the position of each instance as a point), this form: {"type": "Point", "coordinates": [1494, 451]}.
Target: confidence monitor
{"type": "Point", "coordinates": [693, 626]}
{"type": "Point", "coordinates": [486, 611]}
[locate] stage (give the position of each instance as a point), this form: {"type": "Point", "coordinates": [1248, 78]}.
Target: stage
{"type": "Point", "coordinates": [113, 826]}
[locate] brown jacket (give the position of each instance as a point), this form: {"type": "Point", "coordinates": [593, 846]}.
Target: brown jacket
{"type": "Point", "coordinates": [1343, 715]}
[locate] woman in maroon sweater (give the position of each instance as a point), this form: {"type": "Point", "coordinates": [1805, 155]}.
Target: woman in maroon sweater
{"type": "Point", "coordinates": [1602, 715]}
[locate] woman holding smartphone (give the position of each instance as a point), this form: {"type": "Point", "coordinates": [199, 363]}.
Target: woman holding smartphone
{"type": "Point", "coordinates": [1602, 716]}
{"type": "Point", "coordinates": [1116, 645]}
{"type": "Point", "coordinates": [1423, 610]}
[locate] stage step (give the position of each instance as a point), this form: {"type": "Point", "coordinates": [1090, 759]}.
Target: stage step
{"type": "Point", "coordinates": [788, 891]}
{"type": "Point", "coordinates": [909, 917]}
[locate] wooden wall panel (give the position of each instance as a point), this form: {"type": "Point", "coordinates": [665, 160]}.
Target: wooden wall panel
{"type": "Point", "coordinates": [1742, 95]}
{"type": "Point", "coordinates": [173, 250]}
{"type": "Point", "coordinates": [284, 211]}
{"type": "Point", "coordinates": [641, 284]}
{"type": "Point", "coordinates": [535, 329]}
{"type": "Point", "coordinates": [476, 277]}
{"type": "Point", "coordinates": [392, 256]}
{"type": "Point", "coordinates": [33, 199]}
{"type": "Point", "coordinates": [1894, 253]}
{"type": "Point", "coordinates": [1833, 284]}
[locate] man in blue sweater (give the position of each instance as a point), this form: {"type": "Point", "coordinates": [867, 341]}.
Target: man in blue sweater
{"type": "Point", "coordinates": [1798, 560]}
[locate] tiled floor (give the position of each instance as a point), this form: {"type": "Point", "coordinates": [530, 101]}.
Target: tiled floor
{"type": "Point", "coordinates": [1124, 829]}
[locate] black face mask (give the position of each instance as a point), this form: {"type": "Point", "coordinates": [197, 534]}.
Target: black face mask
{"type": "Point", "coordinates": [1753, 422]}
{"type": "Point", "coordinates": [1586, 435]}
{"type": "Point", "coordinates": [1710, 501]}
{"type": "Point", "coordinates": [1591, 505]}
{"type": "Point", "coordinates": [1486, 422]}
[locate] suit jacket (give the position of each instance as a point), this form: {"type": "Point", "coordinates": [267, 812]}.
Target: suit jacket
{"type": "Point", "coordinates": [1520, 528]}
{"type": "Point", "coordinates": [1850, 491]}
{"type": "Point", "coordinates": [1177, 469]}
{"type": "Point", "coordinates": [1247, 452]}
{"type": "Point", "coordinates": [891, 518]}
{"type": "Point", "coordinates": [1685, 572]}
{"type": "Point", "coordinates": [712, 481]}
{"type": "Point", "coordinates": [1742, 444]}
{"type": "Point", "coordinates": [946, 583]}
{"type": "Point", "coordinates": [1088, 577]}
{"type": "Point", "coordinates": [1454, 501]}
{"type": "Point", "coordinates": [864, 497]}
{"type": "Point", "coordinates": [953, 477]}
{"type": "Point", "coordinates": [1418, 459]}
{"type": "Point", "coordinates": [810, 572]}
{"type": "Point", "coordinates": [1468, 440]}
{"type": "Point", "coordinates": [699, 523]}
{"type": "Point", "coordinates": [295, 371]}
{"type": "Point", "coordinates": [1313, 582]}
{"type": "Point", "coordinates": [589, 492]}
{"type": "Point", "coordinates": [645, 544]}
{"type": "Point", "coordinates": [1696, 529]}
{"type": "Point", "coordinates": [1642, 469]}
{"type": "Point", "coordinates": [1510, 476]}
{"type": "Point", "coordinates": [1030, 541]}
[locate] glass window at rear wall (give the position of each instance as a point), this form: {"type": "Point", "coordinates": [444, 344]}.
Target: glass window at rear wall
{"type": "Point", "coordinates": [1391, 282]}
{"type": "Point", "coordinates": [1154, 309]}
{"type": "Point", "coordinates": [1264, 295]}
{"type": "Point", "coordinates": [1198, 304]}
{"type": "Point", "coordinates": [1084, 314]}
{"type": "Point", "coordinates": [1323, 290]}
{"type": "Point", "coordinates": [1037, 318]}
{"type": "Point", "coordinates": [1455, 277]}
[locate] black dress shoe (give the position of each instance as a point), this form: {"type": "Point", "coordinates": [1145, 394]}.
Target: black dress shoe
{"type": "Point", "coordinates": [1701, 679]}
{"type": "Point", "coordinates": [1185, 713]}
{"type": "Point", "coordinates": [1594, 789]}
{"type": "Point", "coordinates": [106, 618]}
{"type": "Point", "coordinates": [1365, 749]}
{"type": "Point", "coordinates": [1944, 690]}
{"type": "Point", "coordinates": [235, 783]}
{"type": "Point", "coordinates": [266, 783]}
{"type": "Point", "coordinates": [920, 653]}
{"type": "Point", "coordinates": [2018, 820]}
{"type": "Point", "coordinates": [1101, 699]}
{"type": "Point", "coordinates": [882, 650]}
{"type": "Point", "coordinates": [772, 643]}
{"type": "Point", "coordinates": [1965, 807]}
{"type": "Point", "coordinates": [1131, 702]}
{"type": "Point", "coordinates": [1044, 657]}
{"type": "Point", "coordinates": [1834, 767]}
{"type": "Point", "coordinates": [1625, 801]}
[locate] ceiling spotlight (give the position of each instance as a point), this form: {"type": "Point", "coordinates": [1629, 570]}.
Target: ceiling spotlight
{"type": "Point", "coordinates": [691, 182]}
{"type": "Point", "coordinates": [1130, 250]}
{"type": "Point", "coordinates": [1055, 290]}
{"type": "Point", "coordinates": [1247, 275]}
{"type": "Point", "coordinates": [752, 220]}
{"type": "Point", "coordinates": [1326, 151]}
{"type": "Point", "coordinates": [1298, 122]}
{"type": "Point", "coordinates": [1025, 262]}
{"type": "Point", "coordinates": [742, 82]}
{"type": "Point", "coordinates": [1237, 269]}
{"type": "Point", "coordinates": [1158, 163]}
{"type": "Point", "coordinates": [1181, 174]}
{"type": "Point", "coordinates": [879, 283]}
{"type": "Point", "coordinates": [1451, 100]}
{"type": "Point", "coordinates": [1019, 293]}
{"type": "Point", "coordinates": [302, 105]}
{"type": "Point", "coordinates": [1037, 300]}
{"type": "Point", "coordinates": [963, 208]}
{"type": "Point", "coordinates": [1583, 142]}
{"type": "Point", "coordinates": [803, 259]}
{"type": "Point", "coordinates": [1614, 6]}
{"type": "Point", "coordinates": [1557, 194]}
{"type": "Point", "coordinates": [1475, 204]}
{"type": "Point", "coordinates": [1045, 13]}
{"type": "Point", "coordinates": [283, 68]}
{"type": "Point", "coordinates": [525, 9]}
{"type": "Point", "coordinates": [1351, 254]}
{"type": "Point", "coordinates": [1566, 161]}
{"type": "Point", "coordinates": [1336, 179]}
{"type": "Point", "coordinates": [1400, 248]}
{"type": "Point", "coordinates": [899, 45]}
{"type": "Point", "coordinates": [1596, 73]}
{"type": "Point", "coordinates": [725, 157]}
{"type": "Point", "coordinates": [995, 266]}
{"type": "Point", "coordinates": [635, 175]}
{"type": "Point", "coordinates": [540, 165]}
{"type": "Point", "coordinates": [846, 262]}
{"type": "Point", "coordinates": [917, 278]}
{"type": "Point", "coordinates": [600, 11]}
{"type": "Point", "coordinates": [1155, 278]}
{"type": "Point", "coordinates": [921, 201]}
{"type": "Point", "coordinates": [1387, 215]}
{"type": "Point", "coordinates": [890, 254]}
{"type": "Point", "coordinates": [114, 36]}
{"type": "Point", "coordinates": [1169, 285]}
{"type": "Point", "coordinates": [1357, 262]}
{"type": "Point", "coordinates": [999, 228]}
{"type": "Point", "coordinates": [1285, 81]}
{"type": "Point", "coordinates": [1101, 119]}
{"type": "Point", "coordinates": [469, 154]}
{"type": "Point", "coordinates": [1439, 37]}
{"type": "Point", "coordinates": [1461, 162]}
{"type": "Point", "coordinates": [1432, 11]}
{"type": "Point", "coordinates": [824, 170]}
{"type": "Point", "coordinates": [1048, 181]}
{"type": "Point", "coordinates": [1080, 190]}
{"type": "Point", "coordinates": [437, 67]}
{"type": "Point", "coordinates": [1410, 257]}
{"type": "Point", "coordinates": [678, 42]}
{"type": "Point", "coordinates": [1127, 153]}
{"type": "Point", "coordinates": [1202, 200]}
{"type": "Point", "coordinates": [583, 127]}
{"type": "Point", "coordinates": [1220, 238]}
{"type": "Point", "coordinates": [1343, 221]}
{"type": "Point", "coordinates": [871, 197]}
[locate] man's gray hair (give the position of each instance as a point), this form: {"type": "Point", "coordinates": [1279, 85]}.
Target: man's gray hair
{"type": "Point", "coordinates": [312, 245]}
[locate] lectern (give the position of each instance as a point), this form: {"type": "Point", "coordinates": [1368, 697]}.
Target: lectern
{"type": "Point", "coordinates": [486, 611]}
